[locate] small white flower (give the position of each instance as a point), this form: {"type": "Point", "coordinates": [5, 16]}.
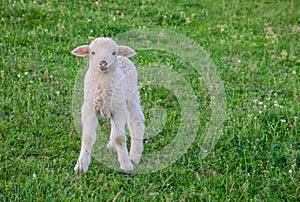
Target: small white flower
{"type": "Point", "coordinates": [26, 73]}
{"type": "Point", "coordinates": [284, 53]}
{"type": "Point", "coordinates": [290, 171]}
{"type": "Point", "coordinates": [187, 21]}
{"type": "Point", "coordinates": [294, 72]}
{"type": "Point", "coordinates": [255, 101]}
{"type": "Point", "coordinates": [96, 2]}
{"type": "Point", "coordinates": [268, 98]}
{"type": "Point", "coordinates": [89, 20]}
{"type": "Point", "coordinates": [51, 76]}
{"type": "Point", "coordinates": [19, 75]}
{"type": "Point", "coordinates": [260, 103]}
{"type": "Point", "coordinates": [57, 92]}
{"type": "Point", "coordinates": [92, 31]}
{"type": "Point", "coordinates": [34, 175]}
{"type": "Point", "coordinates": [46, 30]}
{"type": "Point", "coordinates": [114, 18]}
{"type": "Point", "coordinates": [283, 120]}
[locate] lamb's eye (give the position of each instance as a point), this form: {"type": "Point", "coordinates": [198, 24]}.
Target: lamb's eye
{"type": "Point", "coordinates": [93, 53]}
{"type": "Point", "coordinates": [114, 53]}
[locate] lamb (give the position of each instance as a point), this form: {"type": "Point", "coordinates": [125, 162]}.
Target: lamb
{"type": "Point", "coordinates": [111, 91]}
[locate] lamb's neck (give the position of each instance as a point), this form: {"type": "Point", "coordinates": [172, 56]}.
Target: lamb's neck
{"type": "Point", "coordinates": [108, 78]}
{"type": "Point", "coordinates": [106, 74]}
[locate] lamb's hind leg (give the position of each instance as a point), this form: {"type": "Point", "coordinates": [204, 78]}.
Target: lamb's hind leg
{"type": "Point", "coordinates": [137, 129]}
{"type": "Point", "coordinates": [89, 124]}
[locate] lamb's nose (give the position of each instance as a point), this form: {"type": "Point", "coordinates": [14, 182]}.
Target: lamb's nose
{"type": "Point", "coordinates": [103, 63]}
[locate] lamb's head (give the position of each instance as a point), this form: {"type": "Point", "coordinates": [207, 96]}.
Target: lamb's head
{"type": "Point", "coordinates": [103, 53]}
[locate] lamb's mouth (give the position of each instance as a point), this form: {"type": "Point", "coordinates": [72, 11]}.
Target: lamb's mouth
{"type": "Point", "coordinates": [102, 68]}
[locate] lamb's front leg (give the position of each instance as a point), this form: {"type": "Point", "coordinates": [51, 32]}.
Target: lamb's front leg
{"type": "Point", "coordinates": [89, 124]}
{"type": "Point", "coordinates": [118, 140]}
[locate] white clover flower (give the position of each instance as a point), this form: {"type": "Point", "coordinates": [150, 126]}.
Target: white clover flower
{"type": "Point", "coordinates": [283, 53]}
{"type": "Point", "coordinates": [188, 21]}
{"type": "Point", "coordinates": [283, 120]}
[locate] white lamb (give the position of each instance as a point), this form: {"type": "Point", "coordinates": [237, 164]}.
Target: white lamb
{"type": "Point", "coordinates": [111, 91]}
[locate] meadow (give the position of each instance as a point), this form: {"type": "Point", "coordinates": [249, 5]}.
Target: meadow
{"type": "Point", "coordinates": [255, 46]}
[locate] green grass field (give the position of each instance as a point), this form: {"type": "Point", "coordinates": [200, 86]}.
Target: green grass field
{"type": "Point", "coordinates": [254, 44]}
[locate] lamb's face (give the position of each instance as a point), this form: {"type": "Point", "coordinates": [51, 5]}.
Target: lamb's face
{"type": "Point", "coordinates": [103, 53]}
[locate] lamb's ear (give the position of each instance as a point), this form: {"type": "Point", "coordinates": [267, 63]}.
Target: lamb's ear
{"type": "Point", "coordinates": [81, 51]}
{"type": "Point", "coordinates": [126, 51]}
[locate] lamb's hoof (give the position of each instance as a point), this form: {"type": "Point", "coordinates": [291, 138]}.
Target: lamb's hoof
{"type": "Point", "coordinates": [135, 158]}
{"type": "Point", "coordinates": [82, 164]}
{"type": "Point", "coordinates": [127, 168]}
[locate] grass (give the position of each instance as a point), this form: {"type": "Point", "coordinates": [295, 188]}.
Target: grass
{"type": "Point", "coordinates": [254, 44]}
